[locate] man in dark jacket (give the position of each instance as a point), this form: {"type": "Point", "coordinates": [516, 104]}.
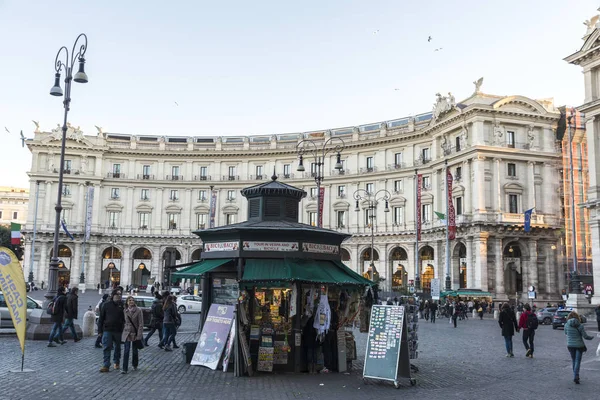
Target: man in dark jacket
{"type": "Point", "coordinates": [433, 307]}
{"type": "Point", "coordinates": [71, 309]}
{"type": "Point", "coordinates": [98, 308]}
{"type": "Point", "coordinates": [508, 324]}
{"type": "Point", "coordinates": [57, 316]}
{"type": "Point", "coordinates": [110, 325]}
{"type": "Point", "coordinates": [156, 320]}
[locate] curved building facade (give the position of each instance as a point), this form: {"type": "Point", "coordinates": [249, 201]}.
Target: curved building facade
{"type": "Point", "coordinates": [151, 192]}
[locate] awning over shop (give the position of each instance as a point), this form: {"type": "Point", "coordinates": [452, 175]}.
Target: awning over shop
{"type": "Point", "coordinates": [466, 293]}
{"type": "Point", "coordinates": [199, 268]}
{"type": "Point", "coordinates": [313, 271]}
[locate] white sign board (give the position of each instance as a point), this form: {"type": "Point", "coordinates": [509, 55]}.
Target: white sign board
{"type": "Point", "coordinates": [320, 248]}
{"type": "Point", "coordinates": [221, 246]}
{"type": "Point", "coordinates": [269, 246]}
{"type": "Point", "coordinates": [435, 289]}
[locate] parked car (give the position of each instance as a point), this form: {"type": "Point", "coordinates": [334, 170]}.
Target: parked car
{"type": "Point", "coordinates": [544, 315]}
{"type": "Point", "coordinates": [145, 304]}
{"type": "Point", "coordinates": [6, 320]}
{"type": "Point", "coordinates": [189, 304]}
{"type": "Point", "coordinates": [176, 290]}
{"type": "Point", "coordinates": [560, 318]}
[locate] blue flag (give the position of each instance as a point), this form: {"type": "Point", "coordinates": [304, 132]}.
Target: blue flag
{"type": "Point", "coordinates": [64, 226]}
{"type": "Point", "coordinates": [528, 219]}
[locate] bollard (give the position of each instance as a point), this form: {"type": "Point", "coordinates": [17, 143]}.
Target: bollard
{"type": "Point", "coordinates": [518, 315]}
{"type": "Point", "coordinates": [89, 323]}
{"type": "Point", "coordinates": [100, 291]}
{"type": "Point", "coordinates": [474, 313]}
{"type": "Point", "coordinates": [495, 314]}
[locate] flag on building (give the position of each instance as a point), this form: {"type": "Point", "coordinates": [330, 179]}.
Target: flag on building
{"type": "Point", "coordinates": [213, 208]}
{"type": "Point", "coordinates": [418, 205]}
{"type": "Point", "coordinates": [441, 216]}
{"type": "Point", "coordinates": [528, 219]}
{"type": "Point", "coordinates": [15, 233]}
{"type": "Point", "coordinates": [64, 226]}
{"type": "Point", "coordinates": [450, 206]}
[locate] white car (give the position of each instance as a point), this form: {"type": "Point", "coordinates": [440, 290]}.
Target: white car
{"type": "Point", "coordinates": [5, 318]}
{"type": "Point", "coordinates": [189, 303]}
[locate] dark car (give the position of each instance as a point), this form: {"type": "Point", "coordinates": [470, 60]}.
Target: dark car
{"type": "Point", "coordinates": [560, 318]}
{"type": "Point", "coordinates": [544, 315]}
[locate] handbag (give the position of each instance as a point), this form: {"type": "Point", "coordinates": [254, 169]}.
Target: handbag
{"type": "Point", "coordinates": [138, 343]}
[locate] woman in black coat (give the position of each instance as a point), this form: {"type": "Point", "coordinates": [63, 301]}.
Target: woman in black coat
{"type": "Point", "coordinates": [57, 317]}
{"type": "Point", "coordinates": [508, 324]}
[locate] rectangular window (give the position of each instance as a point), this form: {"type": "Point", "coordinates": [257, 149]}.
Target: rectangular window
{"type": "Point", "coordinates": [426, 213]}
{"type": "Point", "coordinates": [16, 215]}
{"type": "Point", "coordinates": [313, 192]}
{"type": "Point", "coordinates": [232, 173]}
{"type": "Point", "coordinates": [398, 186]}
{"type": "Point", "coordinates": [66, 190]}
{"type": "Point", "coordinates": [512, 169]}
{"type": "Point", "coordinates": [173, 221]}
{"type": "Point", "coordinates": [510, 138]}
{"type": "Point", "coordinates": [341, 191]}
{"type": "Point", "coordinates": [144, 218]}
{"type": "Point", "coordinates": [369, 164]}
{"type": "Point", "coordinates": [202, 195]}
{"type": "Point", "coordinates": [68, 164]}
{"type": "Point", "coordinates": [459, 206]}
{"type": "Point", "coordinates": [341, 171]}
{"type": "Point", "coordinates": [145, 194]}
{"type": "Point", "coordinates": [230, 219]}
{"type": "Point", "coordinates": [113, 219]}
{"type": "Point", "coordinates": [398, 216]}
{"type": "Point", "coordinates": [312, 218]}
{"type": "Point", "coordinates": [369, 188]}
{"type": "Point", "coordinates": [314, 169]}
{"type": "Point", "coordinates": [201, 220]}
{"type": "Point", "coordinates": [341, 219]}
{"type": "Point", "coordinates": [174, 195]}
{"type": "Point", "coordinates": [0, 214]}
{"type": "Point", "coordinates": [398, 160]}
{"type": "Point", "coordinates": [425, 154]}
{"type": "Point", "coordinates": [259, 172]}
{"type": "Point", "coordinates": [114, 193]}
{"type": "Point", "coordinates": [65, 215]}
{"type": "Point", "coordinates": [457, 140]}
{"type": "Point", "coordinates": [513, 203]}
{"type": "Point", "coordinates": [426, 182]}
{"type": "Point", "coordinates": [146, 172]}
{"type": "Point", "coordinates": [286, 170]}
{"type": "Point", "coordinates": [231, 195]}
{"type": "Point", "coordinates": [369, 217]}
{"type": "Point", "coordinates": [175, 172]}
{"type": "Point", "coordinates": [116, 169]}
{"type": "Point", "coordinates": [458, 175]}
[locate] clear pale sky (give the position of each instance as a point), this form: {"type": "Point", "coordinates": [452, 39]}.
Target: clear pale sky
{"type": "Point", "coordinates": [264, 67]}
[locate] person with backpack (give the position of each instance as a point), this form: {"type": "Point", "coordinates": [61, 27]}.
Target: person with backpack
{"type": "Point", "coordinates": [71, 309]}
{"type": "Point", "coordinates": [56, 309]}
{"type": "Point", "coordinates": [575, 334]}
{"type": "Point", "coordinates": [98, 344]}
{"type": "Point", "coordinates": [508, 324]}
{"type": "Point", "coordinates": [529, 323]}
{"type": "Point", "coordinates": [156, 319]}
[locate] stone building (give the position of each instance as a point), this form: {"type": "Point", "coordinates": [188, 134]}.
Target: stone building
{"type": "Point", "coordinates": [150, 192]}
{"type": "Point", "coordinates": [13, 205]}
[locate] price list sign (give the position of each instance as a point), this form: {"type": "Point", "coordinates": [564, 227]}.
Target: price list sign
{"type": "Point", "coordinates": [383, 342]}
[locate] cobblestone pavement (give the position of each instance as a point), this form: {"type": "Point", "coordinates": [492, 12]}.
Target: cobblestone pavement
{"type": "Point", "coordinates": [463, 363]}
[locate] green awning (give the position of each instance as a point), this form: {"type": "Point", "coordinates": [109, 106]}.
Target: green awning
{"type": "Point", "coordinates": [313, 271]}
{"type": "Point", "coordinates": [196, 270]}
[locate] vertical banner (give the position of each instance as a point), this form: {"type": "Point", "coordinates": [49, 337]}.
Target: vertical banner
{"type": "Point", "coordinates": [88, 212]}
{"type": "Point", "coordinates": [321, 202]}
{"type": "Point", "coordinates": [213, 207]}
{"type": "Point", "coordinates": [418, 210]}
{"type": "Point", "coordinates": [435, 289]}
{"type": "Point", "coordinates": [451, 213]}
{"type": "Point", "coordinates": [12, 283]}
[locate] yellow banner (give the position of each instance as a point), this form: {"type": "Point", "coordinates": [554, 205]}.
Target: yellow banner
{"type": "Point", "coordinates": [12, 283]}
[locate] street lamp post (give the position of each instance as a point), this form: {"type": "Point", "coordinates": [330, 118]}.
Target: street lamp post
{"type": "Point", "coordinates": [80, 77]}
{"type": "Point", "coordinates": [372, 201]}
{"type": "Point", "coordinates": [37, 197]}
{"type": "Point", "coordinates": [575, 286]}
{"type": "Point", "coordinates": [319, 156]}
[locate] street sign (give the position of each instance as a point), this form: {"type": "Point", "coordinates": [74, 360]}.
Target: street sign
{"type": "Point", "coordinates": [435, 289]}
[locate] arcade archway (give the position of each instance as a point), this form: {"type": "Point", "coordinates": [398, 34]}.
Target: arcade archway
{"type": "Point", "coordinates": [426, 256]}
{"type": "Point", "coordinates": [111, 267]}
{"type": "Point", "coordinates": [365, 262]}
{"type": "Point", "coordinates": [65, 257]}
{"type": "Point", "coordinates": [399, 261]}
{"type": "Point", "coordinates": [513, 272]}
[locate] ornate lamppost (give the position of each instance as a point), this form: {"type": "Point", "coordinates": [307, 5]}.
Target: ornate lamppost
{"type": "Point", "coordinates": [372, 200]}
{"type": "Point", "coordinates": [79, 77]}
{"type": "Point", "coordinates": [319, 156]}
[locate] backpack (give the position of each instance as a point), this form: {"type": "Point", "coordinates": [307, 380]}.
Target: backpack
{"type": "Point", "coordinates": [532, 321]}
{"type": "Point", "coordinates": [50, 308]}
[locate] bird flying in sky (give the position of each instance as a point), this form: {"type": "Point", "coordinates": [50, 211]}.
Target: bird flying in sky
{"type": "Point", "coordinates": [429, 39]}
{"type": "Point", "coordinates": [6, 129]}
{"type": "Point", "coordinates": [375, 32]}
{"type": "Point", "coordinates": [176, 103]}
{"type": "Point", "coordinates": [22, 139]}
{"type": "Point", "coordinates": [439, 48]}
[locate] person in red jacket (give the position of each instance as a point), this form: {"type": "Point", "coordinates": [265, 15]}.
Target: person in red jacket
{"type": "Point", "coordinates": [528, 334]}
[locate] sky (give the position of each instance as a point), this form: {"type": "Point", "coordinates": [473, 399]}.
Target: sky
{"type": "Point", "coordinates": [216, 68]}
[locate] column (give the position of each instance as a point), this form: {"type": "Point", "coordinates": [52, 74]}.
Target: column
{"type": "Point", "coordinates": [93, 267]}
{"type": "Point", "coordinates": [549, 269]}
{"type": "Point", "coordinates": [440, 265]}
{"type": "Point", "coordinates": [500, 292]}
{"type": "Point", "coordinates": [437, 194]}
{"type": "Point", "coordinates": [533, 267]}
{"type": "Point", "coordinates": [96, 207]}
{"type": "Point", "coordinates": [98, 171]}
{"type": "Point", "coordinates": [187, 209]}
{"type": "Point", "coordinates": [498, 172]}
{"type": "Point", "coordinates": [480, 250]}
{"type": "Point", "coordinates": [530, 186]}
{"type": "Point", "coordinates": [158, 214]}
{"type": "Point", "coordinates": [549, 184]}
{"type": "Point", "coordinates": [75, 265]}
{"type": "Point", "coordinates": [354, 256]}
{"type": "Point", "coordinates": [129, 210]}
{"type": "Point", "coordinates": [126, 265]}
{"type": "Point", "coordinates": [478, 185]}
{"type": "Point", "coordinates": [468, 191]}
{"type": "Point", "coordinates": [40, 272]}
{"type": "Point", "coordinates": [47, 213]}
{"type": "Point", "coordinates": [81, 206]}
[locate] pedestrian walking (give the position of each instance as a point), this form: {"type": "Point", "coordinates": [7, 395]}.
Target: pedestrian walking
{"type": "Point", "coordinates": [110, 325]}
{"type": "Point", "coordinates": [455, 312]}
{"type": "Point", "coordinates": [133, 333]}
{"type": "Point", "coordinates": [71, 310]}
{"type": "Point", "coordinates": [169, 320]}
{"type": "Point", "coordinates": [156, 319]}
{"type": "Point", "coordinates": [598, 316]}
{"type": "Point", "coordinates": [42, 285]}
{"type": "Point", "coordinates": [480, 312]}
{"type": "Point", "coordinates": [508, 323]}
{"type": "Point", "coordinates": [57, 316]}
{"type": "Point", "coordinates": [575, 334]}
{"type": "Point", "coordinates": [98, 307]}
{"type": "Point", "coordinates": [528, 323]}
{"type": "Point", "coordinates": [433, 310]}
